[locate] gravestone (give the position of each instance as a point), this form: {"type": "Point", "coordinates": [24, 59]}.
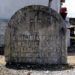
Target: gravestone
{"type": "Point", "coordinates": [36, 34]}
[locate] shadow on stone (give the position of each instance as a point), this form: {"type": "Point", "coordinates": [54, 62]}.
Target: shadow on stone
{"type": "Point", "coordinates": [2, 50]}
{"type": "Point", "coordinates": [29, 66]}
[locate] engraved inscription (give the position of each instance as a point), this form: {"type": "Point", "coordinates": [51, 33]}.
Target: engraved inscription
{"type": "Point", "coordinates": [26, 41]}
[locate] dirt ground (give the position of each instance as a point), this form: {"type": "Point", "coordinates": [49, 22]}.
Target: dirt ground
{"type": "Point", "coordinates": [71, 59]}
{"type": "Point", "coordinates": [2, 60]}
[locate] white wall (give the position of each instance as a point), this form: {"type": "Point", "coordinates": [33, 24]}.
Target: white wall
{"type": "Point", "coordinates": [56, 5]}
{"type": "Point", "coordinates": [9, 7]}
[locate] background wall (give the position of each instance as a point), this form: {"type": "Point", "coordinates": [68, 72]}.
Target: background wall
{"type": "Point", "coordinates": [9, 7]}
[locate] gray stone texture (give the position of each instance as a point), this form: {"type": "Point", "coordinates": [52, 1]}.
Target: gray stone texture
{"type": "Point", "coordinates": [3, 25]}
{"type": "Point", "coordinates": [36, 34]}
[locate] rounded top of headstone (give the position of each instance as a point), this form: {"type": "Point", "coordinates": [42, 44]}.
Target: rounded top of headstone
{"type": "Point", "coordinates": [30, 8]}
{"type": "Point", "coordinates": [36, 8]}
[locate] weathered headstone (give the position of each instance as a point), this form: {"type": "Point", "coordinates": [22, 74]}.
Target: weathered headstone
{"type": "Point", "coordinates": [36, 34]}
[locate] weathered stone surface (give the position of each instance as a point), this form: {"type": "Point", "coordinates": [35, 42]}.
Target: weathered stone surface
{"type": "Point", "coordinates": [36, 34]}
{"type": "Point", "coordinates": [3, 24]}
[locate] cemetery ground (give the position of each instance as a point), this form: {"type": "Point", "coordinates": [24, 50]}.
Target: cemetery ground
{"type": "Point", "coordinates": [40, 70]}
